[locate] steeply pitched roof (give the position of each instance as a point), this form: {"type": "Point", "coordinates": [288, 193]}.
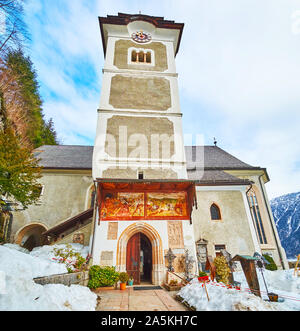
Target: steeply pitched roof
{"type": "Point", "coordinates": [212, 157]}
{"type": "Point", "coordinates": [215, 177]}
{"type": "Point", "coordinates": [206, 164]}
{"type": "Point", "coordinates": [65, 156]}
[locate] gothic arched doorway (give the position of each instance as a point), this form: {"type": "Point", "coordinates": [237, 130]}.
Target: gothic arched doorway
{"type": "Point", "coordinates": [158, 267]}
{"type": "Point", "coordinates": [139, 258]}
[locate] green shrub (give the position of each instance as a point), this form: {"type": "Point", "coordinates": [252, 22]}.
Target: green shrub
{"type": "Point", "coordinates": [123, 277]}
{"type": "Point", "coordinates": [272, 266]}
{"type": "Point", "coordinates": [102, 276]}
{"type": "Point", "coordinates": [222, 270]}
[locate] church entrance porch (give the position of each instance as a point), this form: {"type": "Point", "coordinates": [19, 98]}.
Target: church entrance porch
{"type": "Point", "coordinates": [138, 221]}
{"type": "Point", "coordinates": [139, 258]}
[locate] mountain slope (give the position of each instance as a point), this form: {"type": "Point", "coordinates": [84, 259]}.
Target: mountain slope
{"type": "Point", "coordinates": [286, 212]}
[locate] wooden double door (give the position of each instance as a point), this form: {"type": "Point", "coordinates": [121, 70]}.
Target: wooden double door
{"type": "Point", "coordinates": [139, 258]}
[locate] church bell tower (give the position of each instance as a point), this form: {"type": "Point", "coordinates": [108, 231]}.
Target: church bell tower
{"type": "Point", "coordinates": [139, 130]}
{"type": "Point", "coordinates": [144, 199]}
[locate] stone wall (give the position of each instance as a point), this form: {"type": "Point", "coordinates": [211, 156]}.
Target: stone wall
{"type": "Point", "coordinates": [83, 234]}
{"type": "Point", "coordinates": [158, 133]}
{"type": "Point", "coordinates": [79, 278]}
{"type": "Point", "coordinates": [151, 93]}
{"type": "Point", "coordinates": [65, 195]}
{"type": "Point", "coordinates": [232, 230]}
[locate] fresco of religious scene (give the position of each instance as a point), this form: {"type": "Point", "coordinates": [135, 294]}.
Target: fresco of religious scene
{"type": "Point", "coordinates": [122, 205]}
{"type": "Point", "coordinates": [166, 204]}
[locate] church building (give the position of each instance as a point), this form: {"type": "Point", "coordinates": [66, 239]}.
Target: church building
{"type": "Point", "coordinates": [139, 192]}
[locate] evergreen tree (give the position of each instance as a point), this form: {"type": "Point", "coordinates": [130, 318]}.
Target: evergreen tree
{"type": "Point", "coordinates": [19, 171]}
{"type": "Point", "coordinates": [49, 135]}
{"type": "Point", "coordinates": [39, 131]}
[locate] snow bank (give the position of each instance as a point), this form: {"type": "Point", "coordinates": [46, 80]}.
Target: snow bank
{"type": "Point", "coordinates": [281, 282]}
{"type": "Point", "coordinates": [23, 265]}
{"type": "Point", "coordinates": [221, 299]}
{"type": "Point", "coordinates": [17, 247]}
{"type": "Point", "coordinates": [21, 293]}
{"type": "Point", "coordinates": [24, 294]}
{"type": "Point", "coordinates": [46, 252]}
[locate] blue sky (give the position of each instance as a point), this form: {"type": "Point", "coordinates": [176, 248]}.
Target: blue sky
{"type": "Point", "coordinates": [239, 73]}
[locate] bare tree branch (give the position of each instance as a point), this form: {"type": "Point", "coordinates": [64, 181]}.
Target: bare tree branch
{"type": "Point", "coordinates": [14, 29]}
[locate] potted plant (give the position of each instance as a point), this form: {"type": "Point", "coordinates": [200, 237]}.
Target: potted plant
{"type": "Point", "coordinates": [130, 280]}
{"type": "Point", "coordinates": [273, 297]}
{"type": "Point", "coordinates": [101, 278]}
{"type": "Point", "coordinates": [123, 278]}
{"type": "Point", "coordinates": [203, 277]}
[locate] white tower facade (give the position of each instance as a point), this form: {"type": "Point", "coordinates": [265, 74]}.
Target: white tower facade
{"type": "Point", "coordinates": [139, 130]}
{"type": "Point", "coordinates": [144, 200]}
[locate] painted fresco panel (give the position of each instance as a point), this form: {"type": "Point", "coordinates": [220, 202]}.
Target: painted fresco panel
{"type": "Point", "coordinates": [166, 204]}
{"type": "Point", "coordinates": [144, 205]}
{"type": "Point", "coordinates": [122, 205]}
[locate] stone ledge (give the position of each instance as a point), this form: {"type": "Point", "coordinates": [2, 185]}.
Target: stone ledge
{"type": "Point", "coordinates": [79, 278]}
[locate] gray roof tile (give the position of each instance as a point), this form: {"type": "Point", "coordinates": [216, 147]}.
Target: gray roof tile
{"type": "Point", "coordinates": [212, 157]}
{"type": "Point", "coordinates": [65, 156]}
{"type": "Point", "coordinates": [204, 163]}
{"type": "Point", "coordinates": [214, 177]}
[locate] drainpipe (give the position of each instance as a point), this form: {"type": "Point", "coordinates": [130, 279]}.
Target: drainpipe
{"type": "Point", "coordinates": [272, 226]}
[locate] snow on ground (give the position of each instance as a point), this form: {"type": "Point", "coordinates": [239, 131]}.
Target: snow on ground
{"type": "Point", "coordinates": [46, 252]}
{"type": "Point", "coordinates": [21, 293]}
{"type": "Point", "coordinates": [282, 282]}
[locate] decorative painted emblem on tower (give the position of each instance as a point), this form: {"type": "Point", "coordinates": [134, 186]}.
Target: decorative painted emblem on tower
{"type": "Point", "coordinates": [141, 37]}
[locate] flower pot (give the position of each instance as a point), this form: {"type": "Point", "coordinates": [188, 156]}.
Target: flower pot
{"type": "Point", "coordinates": [173, 287]}
{"type": "Point", "coordinates": [130, 282]}
{"type": "Point", "coordinates": [273, 297]}
{"type": "Point", "coordinates": [122, 286]}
